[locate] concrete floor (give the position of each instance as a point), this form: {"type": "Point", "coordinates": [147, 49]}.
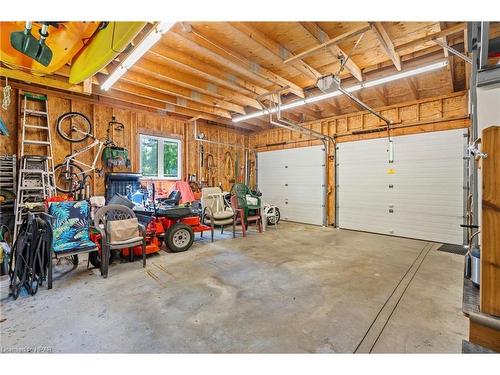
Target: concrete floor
{"type": "Point", "coordinates": [296, 289]}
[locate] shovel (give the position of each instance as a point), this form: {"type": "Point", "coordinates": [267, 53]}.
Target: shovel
{"type": "Point", "coordinates": [26, 43]}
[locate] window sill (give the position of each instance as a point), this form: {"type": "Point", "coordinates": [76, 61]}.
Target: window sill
{"type": "Point", "coordinates": [159, 179]}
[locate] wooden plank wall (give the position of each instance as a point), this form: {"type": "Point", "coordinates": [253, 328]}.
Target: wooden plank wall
{"type": "Point", "coordinates": [136, 122]}
{"type": "Point", "coordinates": [490, 236]}
{"type": "Point", "coordinates": [433, 114]}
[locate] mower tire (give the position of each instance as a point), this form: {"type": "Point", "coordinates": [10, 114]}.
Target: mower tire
{"type": "Point", "coordinates": [179, 237]}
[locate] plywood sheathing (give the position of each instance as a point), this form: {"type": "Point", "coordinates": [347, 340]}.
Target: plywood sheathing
{"type": "Point", "coordinates": [136, 122]}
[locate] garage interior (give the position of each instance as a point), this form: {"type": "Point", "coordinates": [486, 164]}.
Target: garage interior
{"type": "Point", "coordinates": [250, 187]}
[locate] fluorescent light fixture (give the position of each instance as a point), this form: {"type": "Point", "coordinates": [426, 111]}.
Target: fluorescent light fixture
{"type": "Point", "coordinates": [145, 44]}
{"type": "Point", "coordinates": [357, 87]}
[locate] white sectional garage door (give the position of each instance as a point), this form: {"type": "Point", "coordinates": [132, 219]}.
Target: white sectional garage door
{"type": "Point", "coordinates": [293, 180]}
{"type": "Point", "coordinates": [420, 195]}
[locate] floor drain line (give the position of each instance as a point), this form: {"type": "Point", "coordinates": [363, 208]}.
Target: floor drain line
{"type": "Point", "coordinates": [379, 323]}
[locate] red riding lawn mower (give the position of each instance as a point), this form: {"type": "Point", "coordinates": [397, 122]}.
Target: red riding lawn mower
{"type": "Point", "coordinates": [174, 226]}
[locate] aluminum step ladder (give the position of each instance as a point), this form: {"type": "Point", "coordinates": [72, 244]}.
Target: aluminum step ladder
{"type": "Point", "coordinates": [36, 170]}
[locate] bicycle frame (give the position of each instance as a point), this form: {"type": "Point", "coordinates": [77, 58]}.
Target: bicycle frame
{"type": "Point", "coordinates": [91, 167]}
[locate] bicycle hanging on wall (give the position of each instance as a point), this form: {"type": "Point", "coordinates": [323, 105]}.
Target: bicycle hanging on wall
{"type": "Point", "coordinates": [72, 174]}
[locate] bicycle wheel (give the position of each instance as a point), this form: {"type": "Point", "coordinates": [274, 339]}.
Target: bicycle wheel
{"type": "Point", "coordinates": [68, 178]}
{"type": "Point", "coordinates": [74, 127]}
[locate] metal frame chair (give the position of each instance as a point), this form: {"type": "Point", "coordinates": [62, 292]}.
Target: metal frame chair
{"type": "Point", "coordinates": [74, 251]}
{"type": "Point", "coordinates": [117, 212]}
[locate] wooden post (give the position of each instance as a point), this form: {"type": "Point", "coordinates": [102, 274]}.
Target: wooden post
{"type": "Point", "coordinates": [490, 230]}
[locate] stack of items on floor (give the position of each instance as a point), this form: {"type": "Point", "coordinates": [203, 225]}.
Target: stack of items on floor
{"type": "Point", "coordinates": [130, 221]}
{"type": "Point", "coordinates": [7, 202]}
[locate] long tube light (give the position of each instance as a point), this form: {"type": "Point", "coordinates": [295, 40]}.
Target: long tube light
{"type": "Point", "coordinates": [145, 44]}
{"type": "Point", "coordinates": [357, 87]}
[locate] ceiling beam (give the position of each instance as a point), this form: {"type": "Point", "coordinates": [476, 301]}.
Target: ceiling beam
{"type": "Point", "coordinates": [450, 68]}
{"type": "Point", "coordinates": [337, 40]}
{"type": "Point", "coordinates": [232, 60]}
{"type": "Point", "coordinates": [412, 85]}
{"type": "Point", "coordinates": [460, 27]}
{"type": "Point", "coordinates": [168, 108]}
{"type": "Point", "coordinates": [385, 41]}
{"type": "Point", "coordinates": [149, 82]}
{"type": "Point", "coordinates": [467, 66]}
{"type": "Point", "coordinates": [381, 94]}
{"type": "Point", "coordinates": [188, 80]}
{"type": "Point", "coordinates": [307, 111]}
{"type": "Point", "coordinates": [274, 47]}
{"type": "Point", "coordinates": [334, 105]}
{"type": "Point", "coordinates": [313, 29]}
{"type": "Point", "coordinates": [166, 52]}
{"type": "Point", "coordinates": [126, 101]}
{"type": "Point", "coordinates": [169, 99]}
{"type": "Point", "coordinates": [52, 81]}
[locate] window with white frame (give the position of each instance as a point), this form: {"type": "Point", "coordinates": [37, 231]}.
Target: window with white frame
{"type": "Point", "coordinates": [160, 157]}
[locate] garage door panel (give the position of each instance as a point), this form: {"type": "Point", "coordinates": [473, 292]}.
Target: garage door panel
{"type": "Point", "coordinates": [295, 179]}
{"type": "Point", "coordinates": [426, 190]}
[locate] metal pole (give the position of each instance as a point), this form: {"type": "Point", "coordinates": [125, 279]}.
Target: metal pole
{"type": "Point", "coordinates": [473, 178]}
{"type": "Point", "coordinates": [453, 50]}
{"type": "Point", "coordinates": [465, 184]}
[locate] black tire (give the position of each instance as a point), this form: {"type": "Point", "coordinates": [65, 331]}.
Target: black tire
{"type": "Point", "coordinates": [276, 219]}
{"type": "Point", "coordinates": [179, 237]}
{"type": "Point", "coordinates": [79, 127]}
{"type": "Point", "coordinates": [66, 177]}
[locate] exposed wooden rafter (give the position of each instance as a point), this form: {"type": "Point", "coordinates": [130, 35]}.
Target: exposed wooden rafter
{"type": "Point", "coordinates": [52, 82]}
{"type": "Point", "coordinates": [218, 69]}
{"type": "Point", "coordinates": [385, 41]}
{"type": "Point", "coordinates": [233, 60]}
{"type": "Point", "coordinates": [149, 82]}
{"type": "Point", "coordinates": [193, 82]}
{"type": "Point", "coordinates": [274, 47]}
{"type": "Point", "coordinates": [164, 53]}
{"type": "Point", "coordinates": [168, 108]}
{"type": "Point", "coordinates": [421, 41]}
{"type": "Point", "coordinates": [169, 99]}
{"type": "Point", "coordinates": [337, 40]}
{"type": "Point", "coordinates": [412, 85]}
{"type": "Point", "coordinates": [450, 67]}
{"type": "Point", "coordinates": [313, 29]}
{"type": "Point", "coordinates": [381, 94]}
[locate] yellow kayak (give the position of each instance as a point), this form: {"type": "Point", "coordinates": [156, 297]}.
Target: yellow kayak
{"type": "Point", "coordinates": [102, 49]}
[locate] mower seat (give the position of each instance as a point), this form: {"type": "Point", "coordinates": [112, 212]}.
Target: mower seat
{"type": "Point", "coordinates": [174, 213]}
{"type": "Point", "coordinates": [173, 199]}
